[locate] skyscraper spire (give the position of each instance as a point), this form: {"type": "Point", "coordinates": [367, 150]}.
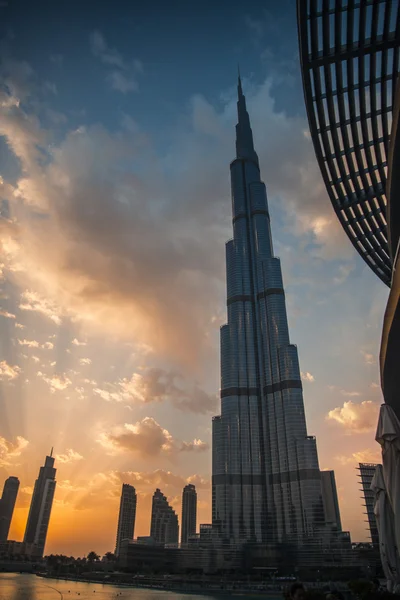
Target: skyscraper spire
{"type": "Point", "coordinates": [240, 91]}
{"type": "Point", "coordinates": [244, 134]}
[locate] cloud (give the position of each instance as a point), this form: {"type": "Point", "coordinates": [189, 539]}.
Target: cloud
{"type": "Point", "coordinates": [120, 82]}
{"type": "Point", "coordinates": [137, 236]}
{"type": "Point", "coordinates": [69, 456]}
{"type": "Point", "coordinates": [6, 314]}
{"type": "Point", "coordinates": [146, 438]}
{"type": "Point", "coordinates": [35, 344]}
{"type": "Point", "coordinates": [57, 382]}
{"type": "Point", "coordinates": [356, 418]}
{"type": "Point", "coordinates": [369, 455]}
{"type": "Point", "coordinates": [195, 446]}
{"type": "Point", "coordinates": [123, 76]}
{"type": "Point", "coordinates": [57, 59]}
{"type": "Point", "coordinates": [307, 377]}
{"type": "Point", "coordinates": [369, 358]}
{"type": "Point", "coordinates": [33, 301]}
{"type": "Point", "coordinates": [29, 343]}
{"type": "Point", "coordinates": [343, 273]}
{"type": "Point", "coordinates": [8, 372]}
{"type": "Point", "coordinates": [159, 385]}
{"type": "Point", "coordinates": [160, 478]}
{"type": "Point", "coordinates": [85, 361]}
{"type": "Point", "coordinates": [350, 394]}
{"type": "Point", "coordinates": [76, 342]}
{"type": "Point", "coordinates": [11, 449]}
{"type": "Point", "coordinates": [256, 26]}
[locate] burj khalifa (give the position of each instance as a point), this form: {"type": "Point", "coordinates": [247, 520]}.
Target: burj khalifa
{"type": "Point", "coordinates": [266, 481]}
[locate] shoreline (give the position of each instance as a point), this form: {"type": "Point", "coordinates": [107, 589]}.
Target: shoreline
{"type": "Point", "coordinates": [200, 591]}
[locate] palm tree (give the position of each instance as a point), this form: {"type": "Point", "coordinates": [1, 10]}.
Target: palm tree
{"type": "Point", "coordinates": [109, 556]}
{"type": "Point", "coordinates": [93, 557]}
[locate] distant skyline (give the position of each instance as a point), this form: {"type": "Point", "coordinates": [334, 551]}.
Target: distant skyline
{"type": "Point", "coordinates": [113, 282]}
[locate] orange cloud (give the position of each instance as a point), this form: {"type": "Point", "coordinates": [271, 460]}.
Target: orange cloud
{"type": "Point", "coordinates": [159, 385]}
{"type": "Point", "coordinates": [356, 418]}
{"type": "Point", "coordinates": [362, 456]}
{"type": "Point", "coordinates": [69, 456]}
{"type": "Point", "coordinates": [6, 314]}
{"type": "Point", "coordinates": [57, 382]}
{"type": "Point", "coordinates": [11, 449]}
{"type": "Point", "coordinates": [8, 372]}
{"type": "Point", "coordinates": [32, 301]}
{"type": "Point", "coordinates": [307, 377]}
{"type": "Point", "coordinates": [29, 343]}
{"type": "Point", "coordinates": [147, 438]}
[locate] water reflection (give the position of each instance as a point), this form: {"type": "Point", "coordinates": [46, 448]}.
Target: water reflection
{"type": "Point", "coordinates": [29, 587]}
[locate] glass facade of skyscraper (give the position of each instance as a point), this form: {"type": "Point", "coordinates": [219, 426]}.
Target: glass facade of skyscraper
{"type": "Point", "coordinates": [189, 512]}
{"type": "Point", "coordinates": [7, 504]}
{"type": "Point", "coordinates": [164, 527]}
{"type": "Point", "coordinates": [266, 482]}
{"type": "Point", "coordinates": [127, 515]}
{"type": "Point", "coordinates": [41, 505]}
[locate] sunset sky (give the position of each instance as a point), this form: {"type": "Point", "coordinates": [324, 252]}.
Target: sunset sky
{"type": "Point", "coordinates": [117, 129]}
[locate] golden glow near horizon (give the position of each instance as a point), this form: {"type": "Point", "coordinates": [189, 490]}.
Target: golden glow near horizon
{"type": "Point", "coordinates": [112, 292]}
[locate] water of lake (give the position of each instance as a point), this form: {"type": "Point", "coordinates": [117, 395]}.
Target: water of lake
{"type": "Point", "coordinates": [29, 587]}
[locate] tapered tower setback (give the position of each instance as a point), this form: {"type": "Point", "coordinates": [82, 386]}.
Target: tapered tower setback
{"type": "Point", "coordinates": [266, 479]}
{"type": "Point", "coordinates": [164, 527]}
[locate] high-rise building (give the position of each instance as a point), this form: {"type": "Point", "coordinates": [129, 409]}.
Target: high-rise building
{"type": "Point", "coordinates": [350, 61]}
{"type": "Point", "coordinates": [127, 515]}
{"type": "Point", "coordinates": [266, 482]}
{"type": "Point", "coordinates": [41, 504]}
{"type": "Point", "coordinates": [189, 512]}
{"type": "Point", "coordinates": [330, 499]}
{"type": "Point", "coordinates": [164, 527]}
{"type": "Point", "coordinates": [366, 475]}
{"type": "Point", "coordinates": [7, 504]}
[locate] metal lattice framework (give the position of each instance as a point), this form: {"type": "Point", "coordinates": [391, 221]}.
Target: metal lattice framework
{"type": "Point", "coordinates": [350, 55]}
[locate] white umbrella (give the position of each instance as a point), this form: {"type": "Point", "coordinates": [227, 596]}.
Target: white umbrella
{"type": "Point", "coordinates": [385, 522]}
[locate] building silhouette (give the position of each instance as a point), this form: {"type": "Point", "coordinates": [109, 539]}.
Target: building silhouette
{"type": "Point", "coordinates": [41, 504]}
{"type": "Point", "coordinates": [127, 515]}
{"type": "Point", "coordinates": [189, 512]}
{"type": "Point", "coordinates": [349, 56]}
{"type": "Point", "coordinates": [7, 504]}
{"type": "Point", "coordinates": [164, 528]}
{"type": "Point", "coordinates": [366, 474]}
{"type": "Point", "coordinates": [266, 481]}
{"type": "Point", "coordinates": [330, 499]}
